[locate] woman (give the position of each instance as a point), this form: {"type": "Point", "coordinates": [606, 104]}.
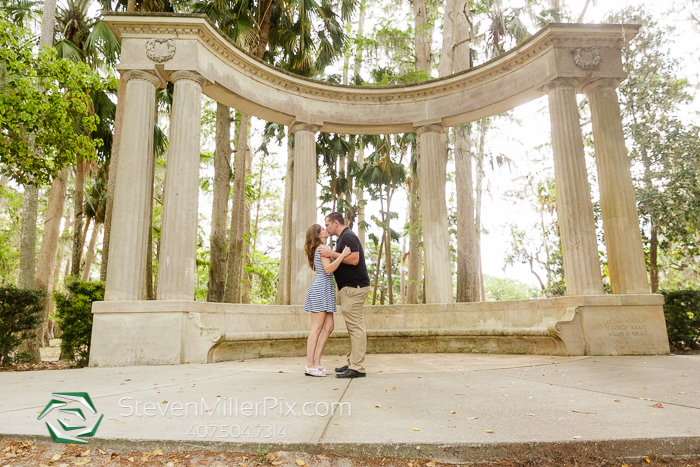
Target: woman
{"type": "Point", "coordinates": [320, 300]}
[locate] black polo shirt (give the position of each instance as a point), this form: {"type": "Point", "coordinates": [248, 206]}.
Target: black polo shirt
{"type": "Point", "coordinates": [348, 275]}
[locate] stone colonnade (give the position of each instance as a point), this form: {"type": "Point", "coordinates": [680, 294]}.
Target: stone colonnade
{"type": "Point", "coordinates": [188, 51]}
{"type": "Point", "coordinates": [176, 279]}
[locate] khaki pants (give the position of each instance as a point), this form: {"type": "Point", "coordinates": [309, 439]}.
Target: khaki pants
{"type": "Point", "coordinates": [352, 299]}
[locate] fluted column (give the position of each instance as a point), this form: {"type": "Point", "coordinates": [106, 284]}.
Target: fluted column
{"type": "Point", "coordinates": [432, 171]}
{"type": "Point", "coordinates": [574, 207]}
{"type": "Point", "coordinates": [618, 205]}
{"type": "Point", "coordinates": [132, 193]}
{"type": "Point", "coordinates": [303, 207]}
{"type": "Point", "coordinates": [178, 241]}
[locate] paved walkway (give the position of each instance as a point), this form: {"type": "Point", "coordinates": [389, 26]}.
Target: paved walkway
{"type": "Point", "coordinates": [438, 405]}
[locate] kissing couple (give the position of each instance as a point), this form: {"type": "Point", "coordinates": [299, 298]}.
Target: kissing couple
{"type": "Point", "coordinates": [347, 264]}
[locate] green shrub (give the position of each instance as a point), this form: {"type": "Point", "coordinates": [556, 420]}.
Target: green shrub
{"type": "Point", "coordinates": [682, 313]}
{"type": "Point", "coordinates": [20, 315]}
{"type": "Point", "coordinates": [74, 316]}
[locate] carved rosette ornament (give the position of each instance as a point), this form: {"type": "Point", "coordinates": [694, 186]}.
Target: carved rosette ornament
{"type": "Point", "coordinates": [583, 64]}
{"type": "Point", "coordinates": [160, 50]}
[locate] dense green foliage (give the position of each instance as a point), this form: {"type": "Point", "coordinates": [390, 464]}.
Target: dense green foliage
{"type": "Point", "coordinates": [682, 312]}
{"type": "Point", "coordinates": [664, 150]}
{"type": "Point", "coordinates": [40, 98]}
{"type": "Point", "coordinates": [20, 315]}
{"type": "Point", "coordinates": [74, 316]}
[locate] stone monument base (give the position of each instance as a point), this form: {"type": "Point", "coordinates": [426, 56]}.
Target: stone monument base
{"type": "Point", "coordinates": [175, 332]}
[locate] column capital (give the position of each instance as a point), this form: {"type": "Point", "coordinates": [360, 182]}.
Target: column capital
{"type": "Point", "coordinates": [190, 75]}
{"type": "Point", "coordinates": [593, 86]}
{"type": "Point", "coordinates": [431, 128]}
{"type": "Point", "coordinates": [142, 75]}
{"type": "Point", "coordinates": [301, 126]}
{"type": "Point", "coordinates": [560, 82]}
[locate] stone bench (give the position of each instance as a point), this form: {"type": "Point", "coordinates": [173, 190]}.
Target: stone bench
{"type": "Point", "coordinates": [173, 332]}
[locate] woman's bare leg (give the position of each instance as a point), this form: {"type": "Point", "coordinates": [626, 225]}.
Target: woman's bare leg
{"type": "Point", "coordinates": [323, 338]}
{"type": "Point", "coordinates": [317, 323]}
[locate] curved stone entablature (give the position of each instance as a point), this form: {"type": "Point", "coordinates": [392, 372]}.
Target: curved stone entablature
{"type": "Point", "coordinates": [245, 83]}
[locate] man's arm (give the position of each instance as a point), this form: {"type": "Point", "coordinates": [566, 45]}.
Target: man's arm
{"type": "Point", "coordinates": [351, 259]}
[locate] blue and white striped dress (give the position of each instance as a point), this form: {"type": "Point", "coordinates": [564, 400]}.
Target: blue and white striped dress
{"type": "Point", "coordinates": [321, 295]}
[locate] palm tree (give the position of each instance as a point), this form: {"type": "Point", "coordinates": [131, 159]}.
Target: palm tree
{"type": "Point", "coordinates": [381, 176]}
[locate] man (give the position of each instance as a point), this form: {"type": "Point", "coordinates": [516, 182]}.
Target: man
{"type": "Point", "coordinates": [353, 285]}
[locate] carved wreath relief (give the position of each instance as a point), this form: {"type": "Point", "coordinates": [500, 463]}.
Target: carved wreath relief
{"type": "Point", "coordinates": [582, 55]}
{"type": "Point", "coordinates": [160, 50]}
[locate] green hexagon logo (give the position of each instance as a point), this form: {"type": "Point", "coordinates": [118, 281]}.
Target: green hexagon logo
{"type": "Point", "coordinates": [65, 430]}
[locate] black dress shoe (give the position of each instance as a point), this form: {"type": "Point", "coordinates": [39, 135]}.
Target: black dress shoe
{"type": "Point", "coordinates": [351, 374]}
{"type": "Point", "coordinates": [342, 369]}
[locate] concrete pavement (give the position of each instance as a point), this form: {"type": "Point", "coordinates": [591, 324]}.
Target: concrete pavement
{"type": "Point", "coordinates": [456, 407]}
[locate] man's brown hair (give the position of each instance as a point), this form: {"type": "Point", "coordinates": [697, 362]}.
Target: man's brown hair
{"type": "Point", "coordinates": [336, 216]}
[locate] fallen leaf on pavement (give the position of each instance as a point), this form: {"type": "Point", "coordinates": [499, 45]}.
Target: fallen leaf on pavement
{"type": "Point", "coordinates": [131, 459]}
{"type": "Point", "coordinates": [647, 459]}
{"type": "Point", "coordinates": [301, 462]}
{"type": "Point", "coordinates": [377, 406]}
{"type": "Point", "coordinates": [488, 431]}
{"type": "Point", "coordinates": [618, 400]}
{"type": "Point", "coordinates": [583, 411]}
{"type": "Point", "coordinates": [56, 457]}
{"type": "Point", "coordinates": [277, 462]}
{"type": "Point", "coordinates": [85, 453]}
{"type": "Point", "coordinates": [144, 458]}
{"type": "Point", "coordinates": [530, 414]}
{"type": "Point", "coordinates": [578, 437]}
{"type": "Point", "coordinates": [413, 428]}
{"type": "Point", "coordinates": [431, 464]}
{"type": "Point", "coordinates": [157, 452]}
{"type": "Point", "coordinates": [82, 462]}
{"type": "Point", "coordinates": [658, 405]}
{"type": "Point", "coordinates": [393, 389]}
{"type": "Point", "coordinates": [101, 451]}
{"type": "Point", "coordinates": [321, 457]}
{"type": "Point", "coordinates": [472, 418]}
{"type": "Point", "coordinates": [452, 411]}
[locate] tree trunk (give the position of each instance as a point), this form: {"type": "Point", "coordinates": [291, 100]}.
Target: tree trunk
{"type": "Point", "coordinates": [359, 196]}
{"type": "Point", "coordinates": [27, 258]}
{"type": "Point", "coordinates": [283, 290]}
{"type": "Point", "coordinates": [112, 176]}
{"type": "Point", "coordinates": [415, 265]}
{"type": "Point", "coordinates": [467, 262]}
{"type": "Point", "coordinates": [219, 214]}
{"type": "Point", "coordinates": [350, 211]}
{"type": "Point", "coordinates": [46, 266]}
{"type": "Point", "coordinates": [423, 36]}
{"type": "Point", "coordinates": [376, 271]}
{"type": "Point", "coordinates": [78, 194]}
{"type": "Point", "coordinates": [387, 245]}
{"type": "Point", "coordinates": [264, 29]}
{"type": "Point", "coordinates": [30, 207]}
{"type": "Point", "coordinates": [234, 263]}
{"type": "Point", "coordinates": [479, 190]}
{"type": "Point", "coordinates": [653, 257]}
{"type": "Point", "coordinates": [90, 255]}
{"type": "Point", "coordinates": [28, 240]}
{"type": "Point", "coordinates": [246, 285]}
{"type": "Point", "coordinates": [402, 290]}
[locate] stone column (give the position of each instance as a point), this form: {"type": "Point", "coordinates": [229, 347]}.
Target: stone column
{"type": "Point", "coordinates": [304, 202]}
{"type": "Point", "coordinates": [132, 193]}
{"type": "Point", "coordinates": [623, 239]}
{"type": "Point", "coordinates": [574, 207]}
{"type": "Point", "coordinates": [432, 171]}
{"type": "Point", "coordinates": [178, 243]}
